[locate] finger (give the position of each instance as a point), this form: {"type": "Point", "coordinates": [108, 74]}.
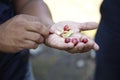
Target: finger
{"type": "Point", "coordinates": [28, 44]}
{"type": "Point", "coordinates": [25, 17]}
{"type": "Point", "coordinates": [52, 30]}
{"type": "Point", "coordinates": [87, 26]}
{"type": "Point", "coordinates": [56, 41]}
{"type": "Point", "coordinates": [34, 37]}
{"type": "Point", "coordinates": [91, 44]}
{"type": "Point", "coordinates": [96, 47]}
{"type": "Point", "coordinates": [39, 28]}
{"type": "Point", "coordinates": [78, 48]}
{"type": "Point", "coordinates": [82, 46]}
{"type": "Point", "coordinates": [88, 46]}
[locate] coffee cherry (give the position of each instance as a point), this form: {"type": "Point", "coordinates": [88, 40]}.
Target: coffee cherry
{"type": "Point", "coordinates": [67, 40]}
{"type": "Point", "coordinates": [66, 28]}
{"type": "Point", "coordinates": [75, 41]}
{"type": "Point", "coordinates": [84, 40]}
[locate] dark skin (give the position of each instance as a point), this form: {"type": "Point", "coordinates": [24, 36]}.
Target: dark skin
{"type": "Point", "coordinates": [31, 28]}
{"type": "Point", "coordinates": [26, 30]}
{"type": "Point", "coordinates": [35, 8]}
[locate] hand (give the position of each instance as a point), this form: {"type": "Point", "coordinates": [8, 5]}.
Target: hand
{"type": "Point", "coordinates": [58, 42]}
{"type": "Point", "coordinates": [21, 32]}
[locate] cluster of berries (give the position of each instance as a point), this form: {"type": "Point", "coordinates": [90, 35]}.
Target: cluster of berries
{"type": "Point", "coordinates": [66, 33]}
{"type": "Point", "coordinates": [75, 41]}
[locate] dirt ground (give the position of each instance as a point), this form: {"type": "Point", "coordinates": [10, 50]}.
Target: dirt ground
{"type": "Point", "coordinates": [52, 64]}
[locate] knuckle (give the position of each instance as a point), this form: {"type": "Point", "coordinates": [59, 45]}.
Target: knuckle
{"type": "Point", "coordinates": [19, 21]}
{"type": "Point", "coordinates": [47, 32]}
{"type": "Point", "coordinates": [20, 24]}
{"type": "Point", "coordinates": [39, 26]}
{"type": "Point", "coordinates": [43, 30]}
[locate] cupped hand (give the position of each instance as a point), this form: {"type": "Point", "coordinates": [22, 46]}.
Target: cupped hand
{"type": "Point", "coordinates": [58, 42]}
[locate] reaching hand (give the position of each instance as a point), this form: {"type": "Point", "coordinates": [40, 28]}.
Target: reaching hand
{"type": "Point", "coordinates": [57, 41]}
{"type": "Point", "coordinates": [21, 32]}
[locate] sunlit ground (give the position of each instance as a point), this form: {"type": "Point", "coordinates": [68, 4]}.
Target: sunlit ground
{"type": "Point", "coordinates": [75, 10]}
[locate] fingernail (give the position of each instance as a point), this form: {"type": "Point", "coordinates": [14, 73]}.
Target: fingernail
{"type": "Point", "coordinates": [96, 47]}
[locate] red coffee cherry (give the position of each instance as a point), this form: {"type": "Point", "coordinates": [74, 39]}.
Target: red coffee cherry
{"type": "Point", "coordinates": [67, 40]}
{"type": "Point", "coordinates": [75, 41]}
{"type": "Point", "coordinates": [84, 40]}
{"type": "Point", "coordinates": [66, 28]}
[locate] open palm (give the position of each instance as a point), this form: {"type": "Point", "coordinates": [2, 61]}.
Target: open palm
{"type": "Point", "coordinates": [58, 42]}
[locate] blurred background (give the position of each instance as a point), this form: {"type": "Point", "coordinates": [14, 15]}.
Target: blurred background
{"type": "Point", "coordinates": [53, 64]}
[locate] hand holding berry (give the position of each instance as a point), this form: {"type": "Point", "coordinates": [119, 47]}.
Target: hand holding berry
{"type": "Point", "coordinates": [66, 36]}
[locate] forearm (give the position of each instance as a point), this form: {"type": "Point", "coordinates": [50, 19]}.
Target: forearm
{"type": "Point", "coordinates": [36, 8]}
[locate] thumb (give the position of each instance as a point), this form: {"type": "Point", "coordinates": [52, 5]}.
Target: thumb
{"type": "Point", "coordinates": [52, 31]}
{"type": "Point", "coordinates": [88, 26]}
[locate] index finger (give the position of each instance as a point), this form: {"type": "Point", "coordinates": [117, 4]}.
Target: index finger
{"type": "Point", "coordinates": [38, 28]}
